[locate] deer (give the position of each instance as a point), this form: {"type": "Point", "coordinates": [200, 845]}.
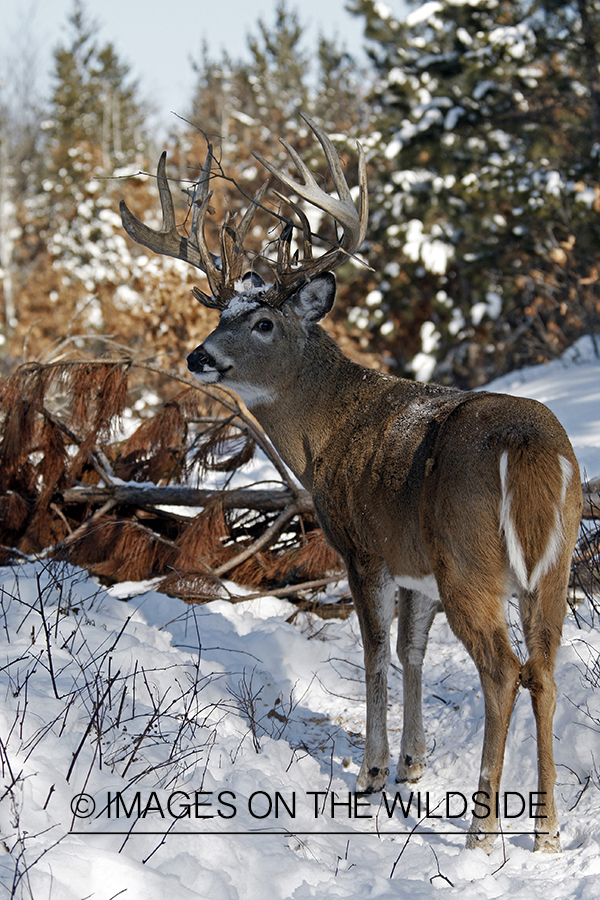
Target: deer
{"type": "Point", "coordinates": [430, 495]}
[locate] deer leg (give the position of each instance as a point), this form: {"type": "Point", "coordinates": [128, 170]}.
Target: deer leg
{"type": "Point", "coordinates": [499, 673]}
{"type": "Point", "coordinates": [542, 628]}
{"type": "Point", "coordinates": [415, 615]}
{"type": "Point", "coordinates": [374, 594]}
{"type": "Point", "coordinates": [500, 688]}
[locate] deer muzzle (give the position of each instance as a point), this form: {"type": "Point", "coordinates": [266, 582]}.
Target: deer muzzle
{"type": "Point", "coordinates": [204, 366]}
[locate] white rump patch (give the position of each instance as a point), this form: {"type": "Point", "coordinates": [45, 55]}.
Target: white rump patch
{"type": "Point", "coordinates": [557, 535]}
{"type": "Point", "coordinates": [513, 544]}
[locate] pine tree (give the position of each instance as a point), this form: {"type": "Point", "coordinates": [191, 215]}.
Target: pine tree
{"type": "Point", "coordinates": [485, 214]}
{"type": "Point", "coordinates": [71, 244]}
{"type": "Point", "coordinates": [21, 162]}
{"type": "Point", "coordinates": [279, 66]}
{"type": "Point", "coordinates": [96, 119]}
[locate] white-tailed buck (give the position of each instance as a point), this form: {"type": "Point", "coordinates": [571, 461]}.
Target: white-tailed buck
{"type": "Point", "coordinates": [429, 494]}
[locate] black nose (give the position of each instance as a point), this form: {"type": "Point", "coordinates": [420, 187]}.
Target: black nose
{"type": "Point", "coordinates": [198, 359]}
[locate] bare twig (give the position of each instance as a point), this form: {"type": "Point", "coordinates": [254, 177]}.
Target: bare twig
{"type": "Point", "coordinates": [266, 538]}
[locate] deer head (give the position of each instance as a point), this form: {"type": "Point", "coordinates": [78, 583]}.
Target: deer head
{"type": "Point", "coordinates": [261, 324]}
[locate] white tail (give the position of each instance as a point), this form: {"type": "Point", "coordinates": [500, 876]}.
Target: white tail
{"type": "Point", "coordinates": [429, 494]}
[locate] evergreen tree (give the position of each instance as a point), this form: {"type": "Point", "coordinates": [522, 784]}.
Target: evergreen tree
{"type": "Point", "coordinates": [279, 66]}
{"type": "Point", "coordinates": [340, 88]}
{"type": "Point", "coordinates": [21, 163]}
{"type": "Point", "coordinates": [485, 226]}
{"type": "Point", "coordinates": [71, 242]}
{"type": "Point", "coordinates": [96, 119]}
{"type": "Point", "coordinates": [235, 98]}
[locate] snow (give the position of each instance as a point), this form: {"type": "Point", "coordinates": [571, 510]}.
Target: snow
{"type": "Point", "coordinates": [423, 13]}
{"type": "Point", "coordinates": [216, 718]}
{"type": "Point", "coordinates": [433, 252]}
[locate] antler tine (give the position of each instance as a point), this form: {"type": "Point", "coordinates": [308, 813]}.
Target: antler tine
{"type": "Point", "coordinates": [218, 269]}
{"type": "Point", "coordinates": [283, 248]}
{"type": "Point", "coordinates": [244, 227]}
{"type": "Point", "coordinates": [201, 192]}
{"type": "Point", "coordinates": [343, 209]}
{"type": "Point", "coordinates": [232, 241]}
{"type": "Point", "coordinates": [166, 240]}
{"type": "Point", "coordinates": [333, 160]}
{"type": "Point", "coordinates": [221, 272]}
{"type": "Point", "coordinates": [341, 185]}
{"type": "Point", "coordinates": [305, 224]}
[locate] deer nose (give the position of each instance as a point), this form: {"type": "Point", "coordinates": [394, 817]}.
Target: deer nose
{"type": "Point", "coordinates": [199, 359]}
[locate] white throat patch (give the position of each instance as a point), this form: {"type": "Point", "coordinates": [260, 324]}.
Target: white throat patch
{"type": "Point", "coordinates": [251, 395]}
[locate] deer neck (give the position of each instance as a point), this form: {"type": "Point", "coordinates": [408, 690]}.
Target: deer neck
{"type": "Point", "coordinates": [308, 410]}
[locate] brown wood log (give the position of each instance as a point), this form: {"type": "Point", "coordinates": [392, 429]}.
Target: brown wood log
{"type": "Point", "coordinates": [141, 495]}
{"type": "Point", "coordinates": [245, 498]}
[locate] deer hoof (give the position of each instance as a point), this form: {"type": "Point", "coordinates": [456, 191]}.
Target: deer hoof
{"type": "Point", "coordinates": [480, 840]}
{"type": "Point", "coordinates": [409, 768]}
{"type": "Point", "coordinates": [547, 843]}
{"type": "Point", "coordinates": [371, 780]}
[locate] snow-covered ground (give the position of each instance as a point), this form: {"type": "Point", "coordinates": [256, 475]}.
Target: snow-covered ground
{"type": "Point", "coordinates": [154, 749]}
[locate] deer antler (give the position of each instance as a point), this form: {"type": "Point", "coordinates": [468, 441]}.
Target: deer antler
{"type": "Point", "coordinates": [354, 223]}
{"type": "Point", "coordinates": [222, 272]}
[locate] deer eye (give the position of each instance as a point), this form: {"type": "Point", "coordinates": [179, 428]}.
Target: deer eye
{"type": "Point", "coordinates": [264, 325]}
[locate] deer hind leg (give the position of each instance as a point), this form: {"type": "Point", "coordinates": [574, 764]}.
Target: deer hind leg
{"type": "Point", "coordinates": [499, 673]}
{"type": "Point", "coordinates": [542, 614]}
{"type": "Point", "coordinates": [540, 554]}
{"type": "Point", "coordinates": [415, 615]}
{"type": "Point", "coordinates": [374, 594]}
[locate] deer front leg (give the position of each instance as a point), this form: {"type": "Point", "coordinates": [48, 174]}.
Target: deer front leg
{"type": "Point", "coordinates": [374, 594]}
{"type": "Point", "coordinates": [415, 616]}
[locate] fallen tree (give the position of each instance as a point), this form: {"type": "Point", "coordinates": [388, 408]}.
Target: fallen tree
{"type": "Point", "coordinates": [75, 486]}
{"type": "Point", "coordinates": [93, 474]}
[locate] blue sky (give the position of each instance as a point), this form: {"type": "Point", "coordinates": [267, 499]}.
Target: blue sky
{"type": "Point", "coordinates": [157, 38]}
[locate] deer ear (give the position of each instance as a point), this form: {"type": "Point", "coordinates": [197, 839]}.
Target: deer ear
{"type": "Point", "coordinates": [315, 299]}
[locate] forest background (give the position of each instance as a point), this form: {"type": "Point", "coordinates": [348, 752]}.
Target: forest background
{"type": "Point", "coordinates": [481, 125]}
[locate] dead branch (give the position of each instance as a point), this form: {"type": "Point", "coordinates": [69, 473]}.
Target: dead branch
{"type": "Point", "coordinates": [246, 498]}
{"type": "Point", "coordinates": [266, 538]}
{"type": "Point", "coordinates": [145, 495]}
{"type": "Point", "coordinates": [591, 498]}
{"type": "Point", "coordinates": [591, 505]}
